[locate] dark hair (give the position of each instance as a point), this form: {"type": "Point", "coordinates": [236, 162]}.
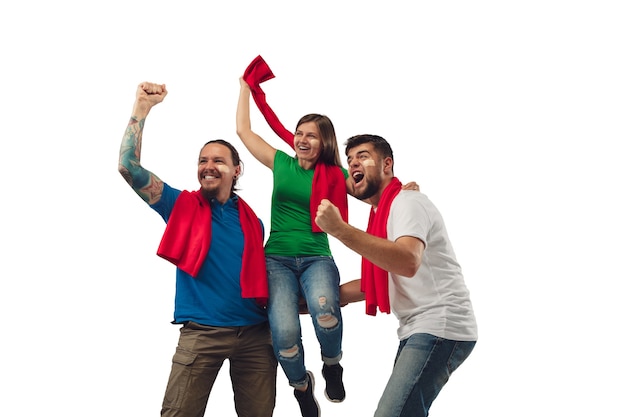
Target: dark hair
{"type": "Point", "coordinates": [330, 149]}
{"type": "Point", "coordinates": [380, 144]}
{"type": "Point", "coordinates": [234, 156]}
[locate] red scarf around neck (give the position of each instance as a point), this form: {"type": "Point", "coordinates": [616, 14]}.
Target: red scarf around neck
{"type": "Point", "coordinates": [375, 280]}
{"type": "Point", "coordinates": [328, 180]}
{"type": "Point", "coordinates": [187, 239]}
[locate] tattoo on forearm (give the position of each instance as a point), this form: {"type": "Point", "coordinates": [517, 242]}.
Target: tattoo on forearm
{"type": "Point", "coordinates": [130, 155]}
{"type": "Point", "coordinates": [146, 184]}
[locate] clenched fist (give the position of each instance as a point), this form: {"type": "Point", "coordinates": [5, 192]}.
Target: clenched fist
{"type": "Point", "coordinates": [151, 93]}
{"type": "Point", "coordinates": [328, 217]}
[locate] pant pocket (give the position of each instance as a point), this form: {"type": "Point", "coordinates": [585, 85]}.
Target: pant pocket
{"type": "Point", "coordinates": [461, 351]}
{"type": "Point", "coordinates": [179, 378]}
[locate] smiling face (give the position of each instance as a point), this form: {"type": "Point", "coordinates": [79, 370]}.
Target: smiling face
{"type": "Point", "coordinates": [307, 144]}
{"type": "Point", "coordinates": [216, 172]}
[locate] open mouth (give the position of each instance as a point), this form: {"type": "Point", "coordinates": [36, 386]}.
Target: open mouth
{"type": "Point", "coordinates": [358, 177]}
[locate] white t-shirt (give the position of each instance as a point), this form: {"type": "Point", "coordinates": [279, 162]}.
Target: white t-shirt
{"type": "Point", "coordinates": [435, 300]}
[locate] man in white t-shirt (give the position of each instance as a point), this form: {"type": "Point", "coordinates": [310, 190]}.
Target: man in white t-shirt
{"type": "Point", "coordinates": [409, 268]}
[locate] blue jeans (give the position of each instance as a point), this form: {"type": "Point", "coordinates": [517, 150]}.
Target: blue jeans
{"type": "Point", "coordinates": [422, 367]}
{"type": "Point", "coordinates": [316, 278]}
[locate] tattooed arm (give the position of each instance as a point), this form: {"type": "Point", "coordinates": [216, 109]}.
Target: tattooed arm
{"type": "Point", "coordinates": [147, 185]}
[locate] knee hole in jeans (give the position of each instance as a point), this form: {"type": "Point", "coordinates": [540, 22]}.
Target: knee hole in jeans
{"type": "Point", "coordinates": [289, 353]}
{"type": "Point", "coordinates": [327, 321]}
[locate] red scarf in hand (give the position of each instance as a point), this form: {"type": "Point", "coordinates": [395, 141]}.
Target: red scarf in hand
{"type": "Point", "coordinates": [328, 180]}
{"type": "Point", "coordinates": [187, 239]}
{"type": "Point", "coordinates": [375, 280]}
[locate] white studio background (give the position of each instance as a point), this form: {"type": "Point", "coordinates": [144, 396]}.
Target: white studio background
{"type": "Point", "coordinates": [510, 116]}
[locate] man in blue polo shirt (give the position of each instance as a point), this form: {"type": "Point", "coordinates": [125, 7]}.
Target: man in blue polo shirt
{"type": "Point", "coordinates": [216, 241]}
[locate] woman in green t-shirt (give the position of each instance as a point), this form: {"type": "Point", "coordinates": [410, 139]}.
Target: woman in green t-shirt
{"type": "Point", "coordinates": [299, 261]}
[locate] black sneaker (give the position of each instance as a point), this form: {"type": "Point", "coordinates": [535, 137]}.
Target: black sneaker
{"type": "Point", "coordinates": [306, 399]}
{"type": "Point", "coordinates": [334, 384]}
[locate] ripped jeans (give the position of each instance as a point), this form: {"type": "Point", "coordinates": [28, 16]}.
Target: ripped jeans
{"type": "Point", "coordinates": [316, 278]}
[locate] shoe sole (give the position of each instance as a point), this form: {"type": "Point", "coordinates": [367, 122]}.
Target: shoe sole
{"type": "Point", "coordinates": [333, 400]}
{"type": "Point", "coordinates": [312, 382]}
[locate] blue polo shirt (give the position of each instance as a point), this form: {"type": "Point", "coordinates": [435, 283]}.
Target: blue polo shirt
{"type": "Point", "coordinates": [213, 298]}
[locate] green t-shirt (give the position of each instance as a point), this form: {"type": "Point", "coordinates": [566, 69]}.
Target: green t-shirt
{"type": "Point", "coordinates": [290, 231]}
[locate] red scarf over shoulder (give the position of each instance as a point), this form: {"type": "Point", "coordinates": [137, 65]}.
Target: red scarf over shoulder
{"type": "Point", "coordinates": [187, 239]}
{"type": "Point", "coordinates": [328, 180]}
{"type": "Point", "coordinates": [375, 280]}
